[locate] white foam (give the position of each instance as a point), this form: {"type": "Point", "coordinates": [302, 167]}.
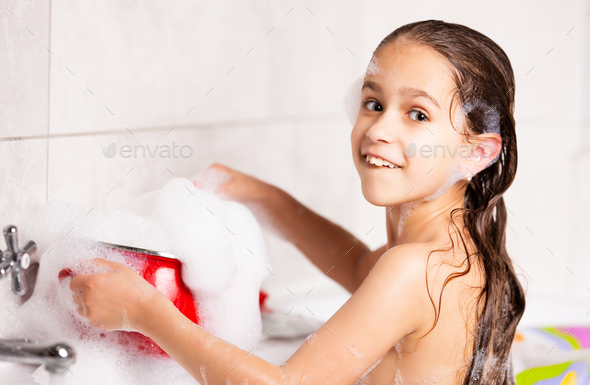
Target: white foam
{"type": "Point", "coordinates": [352, 100]}
{"type": "Point", "coordinates": [374, 68]}
{"type": "Point", "coordinates": [210, 179]}
{"type": "Point", "coordinates": [454, 175]}
{"type": "Point", "coordinates": [491, 117]}
{"type": "Point", "coordinates": [222, 250]}
{"type": "Point", "coordinates": [364, 379]}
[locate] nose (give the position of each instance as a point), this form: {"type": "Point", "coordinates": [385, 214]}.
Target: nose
{"type": "Point", "coordinates": [381, 130]}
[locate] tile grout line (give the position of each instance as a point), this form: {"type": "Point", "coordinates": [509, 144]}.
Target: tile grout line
{"type": "Point", "coordinates": [48, 107]}
{"type": "Point", "coordinates": [248, 123]}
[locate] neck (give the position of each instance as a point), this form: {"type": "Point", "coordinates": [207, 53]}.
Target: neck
{"type": "Point", "coordinates": [423, 220]}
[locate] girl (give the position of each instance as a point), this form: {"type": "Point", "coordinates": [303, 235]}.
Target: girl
{"type": "Point", "coordinates": [440, 302]}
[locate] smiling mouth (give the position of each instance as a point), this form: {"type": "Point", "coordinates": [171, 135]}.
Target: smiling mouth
{"type": "Point", "coordinates": [379, 162]}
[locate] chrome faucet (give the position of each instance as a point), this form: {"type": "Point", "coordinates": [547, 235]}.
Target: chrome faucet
{"type": "Point", "coordinates": [56, 356]}
{"type": "Point", "coordinates": [15, 260]}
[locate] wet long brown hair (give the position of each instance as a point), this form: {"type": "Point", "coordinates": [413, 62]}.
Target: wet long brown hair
{"type": "Point", "coordinates": [484, 81]}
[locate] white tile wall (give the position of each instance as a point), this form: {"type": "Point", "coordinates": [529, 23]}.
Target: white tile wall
{"type": "Point", "coordinates": [277, 114]}
{"type": "Point", "coordinates": [24, 38]}
{"type": "Point", "coordinates": [23, 177]}
{"type": "Point", "coordinates": [580, 224]}
{"type": "Point", "coordinates": [539, 211]}
{"type": "Point", "coordinates": [151, 63]}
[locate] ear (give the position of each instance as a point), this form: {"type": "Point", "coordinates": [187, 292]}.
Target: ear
{"type": "Point", "coordinates": [485, 149]}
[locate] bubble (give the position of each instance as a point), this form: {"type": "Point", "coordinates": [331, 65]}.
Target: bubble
{"type": "Point", "coordinates": [125, 324]}
{"type": "Point", "coordinates": [352, 100]}
{"type": "Point", "coordinates": [146, 291]}
{"type": "Point", "coordinates": [210, 179]}
{"type": "Point", "coordinates": [398, 348]}
{"type": "Point", "coordinates": [285, 375]}
{"type": "Point", "coordinates": [491, 116]}
{"type": "Point", "coordinates": [204, 375]}
{"type": "Point", "coordinates": [224, 271]}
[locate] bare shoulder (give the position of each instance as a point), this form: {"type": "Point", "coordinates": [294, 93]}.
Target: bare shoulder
{"type": "Point", "coordinates": [420, 270]}
{"type": "Point", "coordinates": [408, 258]}
{"type": "Point", "coordinates": [411, 258]}
{"type": "Point", "coordinates": [400, 272]}
{"type": "Point", "coordinates": [402, 254]}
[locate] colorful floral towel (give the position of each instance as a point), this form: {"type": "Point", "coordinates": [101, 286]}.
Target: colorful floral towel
{"type": "Point", "coordinates": [552, 355]}
{"type": "Point", "coordinates": [568, 373]}
{"type": "Point", "coordinates": [566, 338]}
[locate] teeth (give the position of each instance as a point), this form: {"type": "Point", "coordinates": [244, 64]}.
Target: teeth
{"type": "Point", "coordinates": [379, 162]}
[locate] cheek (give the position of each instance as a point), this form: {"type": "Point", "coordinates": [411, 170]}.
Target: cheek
{"type": "Point", "coordinates": [355, 138]}
{"type": "Point", "coordinates": [436, 157]}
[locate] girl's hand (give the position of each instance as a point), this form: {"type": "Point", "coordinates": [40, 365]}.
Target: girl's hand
{"type": "Point", "coordinates": [231, 184]}
{"type": "Point", "coordinates": [116, 299]}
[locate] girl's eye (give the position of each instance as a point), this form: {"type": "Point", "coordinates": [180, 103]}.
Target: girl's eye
{"type": "Point", "coordinates": [369, 106]}
{"type": "Point", "coordinates": [418, 116]}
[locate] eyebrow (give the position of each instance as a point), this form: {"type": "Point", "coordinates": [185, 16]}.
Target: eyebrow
{"type": "Point", "coordinates": [407, 91]}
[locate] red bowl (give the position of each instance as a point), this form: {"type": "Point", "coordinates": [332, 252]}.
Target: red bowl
{"type": "Point", "coordinates": [164, 272]}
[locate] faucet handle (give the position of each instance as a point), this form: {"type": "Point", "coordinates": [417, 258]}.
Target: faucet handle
{"type": "Point", "coordinates": [11, 236]}
{"type": "Point", "coordinates": [19, 281]}
{"type": "Point", "coordinates": [16, 260]}
{"type": "Point", "coordinates": [24, 258]}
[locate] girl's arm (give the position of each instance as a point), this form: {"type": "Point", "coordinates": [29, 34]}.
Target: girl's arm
{"type": "Point", "coordinates": [331, 248]}
{"type": "Point", "coordinates": [327, 245]}
{"type": "Point", "coordinates": [392, 300]}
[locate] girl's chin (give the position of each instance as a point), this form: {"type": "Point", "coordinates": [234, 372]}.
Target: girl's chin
{"type": "Point", "coordinates": [379, 199]}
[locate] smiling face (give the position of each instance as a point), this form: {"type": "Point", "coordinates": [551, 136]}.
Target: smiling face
{"type": "Point", "coordinates": [405, 103]}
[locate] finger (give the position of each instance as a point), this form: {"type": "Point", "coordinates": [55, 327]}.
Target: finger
{"type": "Point", "coordinates": [81, 310]}
{"type": "Point", "coordinates": [77, 283]}
{"type": "Point", "coordinates": [105, 262]}
{"type": "Point", "coordinates": [100, 262]}
{"type": "Point", "coordinates": [78, 298]}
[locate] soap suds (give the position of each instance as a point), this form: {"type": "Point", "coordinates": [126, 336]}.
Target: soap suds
{"type": "Point", "coordinates": [364, 378]}
{"type": "Point", "coordinates": [352, 100]}
{"type": "Point", "coordinates": [209, 341]}
{"type": "Point", "coordinates": [224, 270]}
{"type": "Point", "coordinates": [125, 324]}
{"type": "Point", "coordinates": [406, 210]}
{"type": "Point", "coordinates": [454, 175]}
{"type": "Point", "coordinates": [374, 68]}
{"type": "Point", "coordinates": [204, 375]}
{"type": "Point", "coordinates": [146, 291]}
{"type": "Point", "coordinates": [286, 377]}
{"type": "Point", "coordinates": [210, 179]}
{"type": "Point", "coordinates": [490, 119]}
{"type": "Point", "coordinates": [311, 338]}
{"type": "Point", "coordinates": [398, 348]}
